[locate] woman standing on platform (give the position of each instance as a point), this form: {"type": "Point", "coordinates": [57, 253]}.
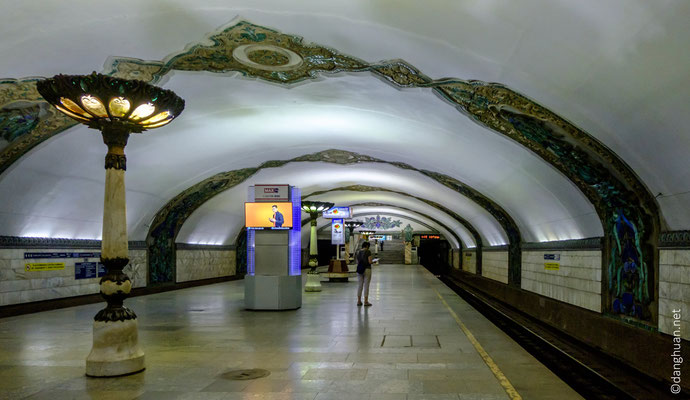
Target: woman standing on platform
{"type": "Point", "coordinates": [364, 262]}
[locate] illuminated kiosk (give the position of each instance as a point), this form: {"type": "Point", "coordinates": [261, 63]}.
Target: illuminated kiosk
{"type": "Point", "coordinates": [274, 274]}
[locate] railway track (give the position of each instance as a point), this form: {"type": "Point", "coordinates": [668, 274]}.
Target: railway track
{"type": "Point", "coordinates": [590, 372]}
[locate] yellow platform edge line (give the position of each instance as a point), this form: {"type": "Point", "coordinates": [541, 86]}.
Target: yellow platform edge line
{"type": "Point", "coordinates": [507, 386]}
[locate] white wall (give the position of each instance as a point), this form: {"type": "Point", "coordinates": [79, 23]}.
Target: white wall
{"type": "Point", "coordinates": [456, 258]}
{"type": "Point", "coordinates": [193, 265]}
{"type": "Point", "coordinates": [577, 281]}
{"type": "Point", "coordinates": [674, 290]}
{"type": "Point", "coordinates": [495, 265]}
{"type": "Point", "coordinates": [20, 286]}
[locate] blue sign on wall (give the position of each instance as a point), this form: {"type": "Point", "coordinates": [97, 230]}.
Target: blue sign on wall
{"type": "Point", "coordinates": [61, 255]}
{"type": "Point", "coordinates": [556, 257]}
{"type": "Point", "coordinates": [86, 270]}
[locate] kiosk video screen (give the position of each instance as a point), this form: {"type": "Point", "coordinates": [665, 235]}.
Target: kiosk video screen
{"type": "Point", "coordinates": [268, 215]}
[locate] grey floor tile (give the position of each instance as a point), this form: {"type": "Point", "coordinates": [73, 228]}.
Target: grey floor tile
{"type": "Point", "coordinates": [327, 349]}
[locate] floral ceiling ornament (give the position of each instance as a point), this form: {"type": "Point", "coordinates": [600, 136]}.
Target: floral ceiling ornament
{"type": "Point", "coordinates": [380, 222]}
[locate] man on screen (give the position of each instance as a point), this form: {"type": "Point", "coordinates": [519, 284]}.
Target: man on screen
{"type": "Point", "coordinates": [277, 217]}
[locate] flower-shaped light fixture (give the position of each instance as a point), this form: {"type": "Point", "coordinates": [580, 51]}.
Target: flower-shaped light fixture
{"type": "Point", "coordinates": [117, 108]}
{"type": "Point", "coordinates": [103, 102]}
{"type": "Point", "coordinates": [315, 207]}
{"type": "Point", "coordinates": [353, 224]}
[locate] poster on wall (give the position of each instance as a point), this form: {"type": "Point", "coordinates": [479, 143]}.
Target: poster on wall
{"type": "Point", "coordinates": [337, 231]}
{"type": "Point", "coordinates": [54, 266]}
{"type": "Point", "coordinates": [552, 262]}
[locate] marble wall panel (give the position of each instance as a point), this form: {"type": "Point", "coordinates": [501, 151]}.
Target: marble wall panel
{"type": "Point", "coordinates": [193, 265]}
{"type": "Point", "coordinates": [495, 265]}
{"type": "Point", "coordinates": [674, 292]}
{"type": "Point", "coordinates": [577, 280]}
{"type": "Point", "coordinates": [20, 286]}
{"type": "Point", "coordinates": [469, 261]}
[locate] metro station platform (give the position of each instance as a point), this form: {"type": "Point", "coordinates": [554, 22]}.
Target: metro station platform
{"type": "Point", "coordinates": [418, 341]}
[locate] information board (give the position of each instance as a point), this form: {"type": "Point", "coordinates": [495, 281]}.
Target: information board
{"type": "Point", "coordinates": [28, 256]}
{"type": "Point", "coordinates": [86, 270]}
{"type": "Point", "coordinates": [54, 266]}
{"type": "Point", "coordinates": [337, 231]}
{"type": "Point", "coordinates": [337, 212]}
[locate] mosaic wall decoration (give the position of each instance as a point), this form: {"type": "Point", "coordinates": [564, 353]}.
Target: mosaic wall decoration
{"type": "Point", "coordinates": [380, 222]}
{"type": "Point", "coordinates": [266, 54]}
{"type": "Point", "coordinates": [26, 120]}
{"type": "Point", "coordinates": [628, 273]}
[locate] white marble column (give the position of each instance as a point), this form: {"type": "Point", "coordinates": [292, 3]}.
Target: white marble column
{"type": "Point", "coordinates": [115, 348]}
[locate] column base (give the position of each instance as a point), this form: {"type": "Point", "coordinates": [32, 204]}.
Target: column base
{"type": "Point", "coordinates": [115, 350]}
{"type": "Point", "coordinates": [313, 283]}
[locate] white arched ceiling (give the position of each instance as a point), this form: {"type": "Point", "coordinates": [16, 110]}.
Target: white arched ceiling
{"type": "Point", "coordinates": [618, 69]}
{"type": "Point", "coordinates": [419, 209]}
{"type": "Point", "coordinates": [220, 219]}
{"type": "Point", "coordinates": [404, 215]}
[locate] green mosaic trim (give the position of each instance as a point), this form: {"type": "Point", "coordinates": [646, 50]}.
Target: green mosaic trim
{"type": "Point", "coordinates": [606, 180]}
{"type": "Point", "coordinates": [13, 91]}
{"type": "Point", "coordinates": [373, 204]}
{"type": "Point", "coordinates": [451, 213]}
{"type": "Point", "coordinates": [168, 221]}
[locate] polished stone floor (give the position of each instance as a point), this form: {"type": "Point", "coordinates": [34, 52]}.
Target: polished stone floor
{"type": "Point", "coordinates": [409, 345]}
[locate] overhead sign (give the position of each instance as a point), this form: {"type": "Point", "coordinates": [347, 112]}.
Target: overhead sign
{"type": "Point", "coordinates": [337, 212]}
{"type": "Point", "coordinates": [44, 266]}
{"type": "Point", "coordinates": [86, 270]}
{"type": "Point", "coordinates": [337, 231]}
{"type": "Point", "coordinates": [429, 237]}
{"type": "Point", "coordinates": [271, 193]}
{"type": "Point", "coordinates": [61, 255]}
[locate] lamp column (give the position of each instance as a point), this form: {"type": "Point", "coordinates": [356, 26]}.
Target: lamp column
{"type": "Point", "coordinates": [352, 225]}
{"type": "Point", "coordinates": [313, 278]}
{"type": "Point", "coordinates": [313, 243]}
{"type": "Point", "coordinates": [313, 208]}
{"type": "Point", "coordinates": [116, 107]}
{"type": "Point", "coordinates": [116, 349]}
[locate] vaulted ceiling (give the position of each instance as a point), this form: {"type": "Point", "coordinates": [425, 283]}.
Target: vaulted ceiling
{"type": "Point", "coordinates": [592, 95]}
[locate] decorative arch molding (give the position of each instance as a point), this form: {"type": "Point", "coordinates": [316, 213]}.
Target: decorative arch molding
{"type": "Point", "coordinates": [373, 204]}
{"type": "Point", "coordinates": [620, 198]}
{"type": "Point", "coordinates": [363, 188]}
{"type": "Point", "coordinates": [169, 219]}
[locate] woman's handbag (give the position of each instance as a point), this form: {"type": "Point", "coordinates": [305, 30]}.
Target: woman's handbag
{"type": "Point", "coordinates": [361, 267]}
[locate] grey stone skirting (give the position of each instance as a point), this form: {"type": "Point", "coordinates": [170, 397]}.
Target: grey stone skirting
{"type": "Point", "coordinates": [16, 242]}
{"type": "Point", "coordinates": [189, 246]}
{"type": "Point", "coordinates": [674, 239]}
{"type": "Point", "coordinates": [503, 247]}
{"type": "Point", "coordinates": [575, 244]}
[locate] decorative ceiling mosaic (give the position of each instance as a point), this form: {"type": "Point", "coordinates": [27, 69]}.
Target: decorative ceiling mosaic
{"type": "Point", "coordinates": [381, 223]}
{"type": "Point", "coordinates": [263, 53]}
